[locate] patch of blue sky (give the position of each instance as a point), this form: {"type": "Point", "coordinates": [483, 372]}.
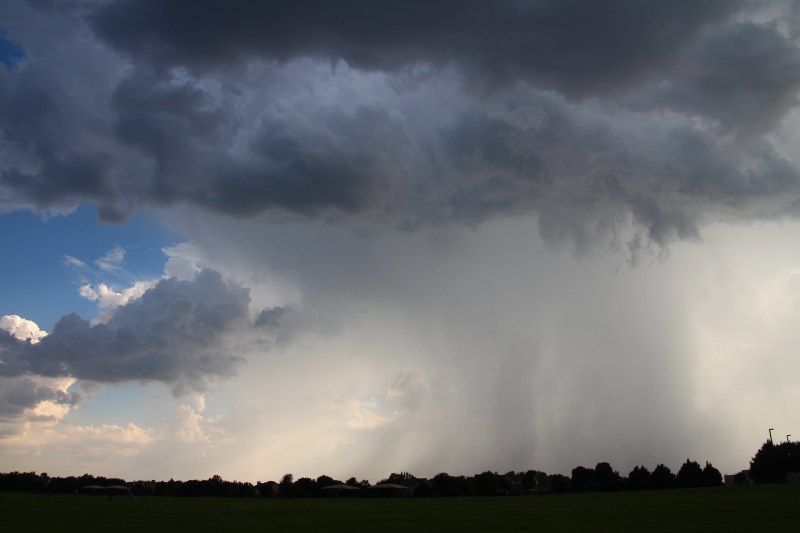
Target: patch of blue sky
{"type": "Point", "coordinates": [37, 284]}
{"type": "Point", "coordinates": [144, 404]}
{"type": "Point", "coordinates": [10, 52]}
{"type": "Point", "coordinates": [148, 405]}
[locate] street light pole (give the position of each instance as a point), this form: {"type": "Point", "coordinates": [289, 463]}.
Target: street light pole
{"type": "Point", "coordinates": [770, 435]}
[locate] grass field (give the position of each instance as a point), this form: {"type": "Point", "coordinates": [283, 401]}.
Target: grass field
{"type": "Point", "coordinates": [773, 508]}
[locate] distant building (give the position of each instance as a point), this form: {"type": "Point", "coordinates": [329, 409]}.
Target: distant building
{"type": "Point", "coordinates": [390, 490]}
{"type": "Point", "coordinates": [269, 489]}
{"type": "Point", "coordinates": [340, 491]}
{"type": "Point", "coordinates": [793, 477]}
{"type": "Point", "coordinates": [739, 479]}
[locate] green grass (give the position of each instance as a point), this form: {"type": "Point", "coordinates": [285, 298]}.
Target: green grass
{"type": "Point", "coordinates": [773, 508]}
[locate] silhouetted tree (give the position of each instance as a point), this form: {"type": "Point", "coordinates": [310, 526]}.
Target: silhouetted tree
{"type": "Point", "coordinates": [403, 478]}
{"type": "Point", "coordinates": [690, 475]}
{"type": "Point", "coordinates": [559, 483]}
{"type": "Point", "coordinates": [711, 476]}
{"type": "Point", "coordinates": [529, 479]}
{"type": "Point", "coordinates": [639, 478]}
{"type": "Point", "coordinates": [535, 480]}
{"type": "Point", "coordinates": [764, 466]}
{"type": "Point", "coordinates": [286, 485]}
{"type": "Point", "coordinates": [608, 478]}
{"type": "Point", "coordinates": [424, 490]}
{"type": "Point", "coordinates": [305, 487]}
{"type": "Point", "coordinates": [325, 481]}
{"type": "Point", "coordinates": [662, 478]}
{"type": "Point", "coordinates": [772, 462]}
{"type": "Point", "coordinates": [487, 483]}
{"type": "Point", "coordinates": [584, 480]}
{"type": "Point", "coordinates": [446, 485]}
{"type": "Point", "coordinates": [27, 481]}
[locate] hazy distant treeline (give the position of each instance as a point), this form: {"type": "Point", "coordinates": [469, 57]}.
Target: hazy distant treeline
{"type": "Point", "coordinates": [600, 478]}
{"type": "Point", "coordinates": [770, 464]}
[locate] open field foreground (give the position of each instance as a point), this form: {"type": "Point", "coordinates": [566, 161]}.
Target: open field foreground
{"type": "Point", "coordinates": [771, 508]}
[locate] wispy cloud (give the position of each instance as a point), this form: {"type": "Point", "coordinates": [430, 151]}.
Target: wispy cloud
{"type": "Point", "coordinates": [112, 260]}
{"type": "Point", "coordinates": [76, 263]}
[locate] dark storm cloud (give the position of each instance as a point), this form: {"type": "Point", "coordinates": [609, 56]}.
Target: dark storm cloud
{"type": "Point", "coordinates": [172, 334]}
{"type": "Point", "coordinates": [584, 173]}
{"type": "Point", "coordinates": [745, 76]}
{"type": "Point", "coordinates": [53, 119]}
{"type": "Point", "coordinates": [334, 164]}
{"type": "Point", "coordinates": [591, 116]}
{"type": "Point", "coordinates": [578, 47]}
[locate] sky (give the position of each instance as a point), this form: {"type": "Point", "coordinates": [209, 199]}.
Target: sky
{"type": "Point", "coordinates": [356, 238]}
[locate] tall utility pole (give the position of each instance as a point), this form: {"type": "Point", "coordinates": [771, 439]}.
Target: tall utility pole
{"type": "Point", "coordinates": [770, 435]}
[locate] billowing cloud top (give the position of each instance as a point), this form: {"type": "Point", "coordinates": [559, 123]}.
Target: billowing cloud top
{"type": "Point", "coordinates": [640, 119]}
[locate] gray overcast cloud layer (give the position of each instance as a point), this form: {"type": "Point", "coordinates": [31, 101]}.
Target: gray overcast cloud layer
{"type": "Point", "coordinates": [649, 118]}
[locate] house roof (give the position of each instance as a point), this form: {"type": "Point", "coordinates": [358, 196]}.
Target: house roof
{"type": "Point", "coordinates": [340, 487]}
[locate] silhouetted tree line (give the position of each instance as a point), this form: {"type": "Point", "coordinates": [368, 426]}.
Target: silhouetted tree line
{"type": "Point", "coordinates": [214, 486]}
{"type": "Point", "coordinates": [31, 481]}
{"type": "Point", "coordinates": [772, 463]}
{"type": "Point", "coordinates": [601, 478]}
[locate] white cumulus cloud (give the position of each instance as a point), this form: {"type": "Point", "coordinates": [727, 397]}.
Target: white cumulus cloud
{"type": "Point", "coordinates": [22, 328]}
